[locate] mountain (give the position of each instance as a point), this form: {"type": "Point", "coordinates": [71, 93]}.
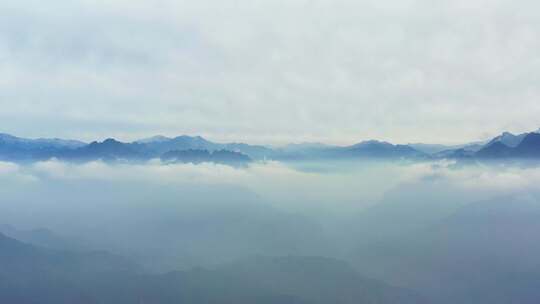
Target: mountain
{"type": "Point", "coordinates": [317, 280]}
{"type": "Point", "coordinates": [529, 147]}
{"type": "Point", "coordinates": [43, 237]}
{"type": "Point", "coordinates": [215, 225]}
{"type": "Point", "coordinates": [307, 151]}
{"type": "Point", "coordinates": [26, 258]}
{"type": "Point", "coordinates": [381, 149]}
{"type": "Point", "coordinates": [30, 274]}
{"type": "Point", "coordinates": [275, 280]}
{"type": "Point", "coordinates": [455, 154]}
{"type": "Point", "coordinates": [431, 148]}
{"type": "Point", "coordinates": [253, 151]}
{"type": "Point", "coordinates": [482, 252]}
{"type": "Point", "coordinates": [437, 148]}
{"type": "Point", "coordinates": [504, 146]}
{"type": "Point", "coordinates": [16, 148]}
{"type": "Point", "coordinates": [12, 148]}
{"type": "Point", "coordinates": [162, 144]}
{"type": "Point", "coordinates": [305, 146]}
{"type": "Point", "coordinates": [372, 149]}
{"type": "Point", "coordinates": [202, 156]}
{"type": "Point", "coordinates": [495, 150]}
{"type": "Point", "coordinates": [508, 139]}
{"type": "Point", "coordinates": [501, 146]}
{"type": "Point", "coordinates": [109, 149]}
{"type": "Point", "coordinates": [40, 142]}
{"type": "Point", "coordinates": [153, 139]}
{"type": "Point", "coordinates": [367, 149]}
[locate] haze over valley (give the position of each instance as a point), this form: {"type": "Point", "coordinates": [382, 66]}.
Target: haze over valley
{"type": "Point", "coordinates": [374, 222]}
{"type": "Point", "coordinates": [269, 152]}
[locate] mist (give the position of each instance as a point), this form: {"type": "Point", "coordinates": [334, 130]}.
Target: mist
{"type": "Point", "coordinates": [269, 152]}
{"type": "Point", "coordinates": [386, 219]}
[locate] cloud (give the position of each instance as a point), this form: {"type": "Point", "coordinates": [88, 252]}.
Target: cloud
{"type": "Point", "coordinates": [12, 173]}
{"type": "Point", "coordinates": [278, 181]}
{"type": "Point", "coordinates": [168, 205]}
{"type": "Point", "coordinates": [8, 168]}
{"type": "Point", "coordinates": [340, 187]}
{"type": "Point", "coordinates": [497, 179]}
{"type": "Point", "coordinates": [267, 71]}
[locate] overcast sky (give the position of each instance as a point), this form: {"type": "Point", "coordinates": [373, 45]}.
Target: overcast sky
{"type": "Point", "coordinates": [270, 71]}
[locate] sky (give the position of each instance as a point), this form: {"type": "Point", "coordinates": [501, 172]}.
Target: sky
{"type": "Point", "coordinates": [270, 71]}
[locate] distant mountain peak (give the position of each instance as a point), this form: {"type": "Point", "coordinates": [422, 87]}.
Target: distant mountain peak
{"type": "Point", "coordinates": [508, 139]}
{"type": "Point", "coordinates": [40, 143]}
{"type": "Point", "coordinates": [108, 142]}
{"type": "Point", "coordinates": [153, 139]}
{"type": "Point", "coordinates": [8, 136]}
{"type": "Point", "coordinates": [373, 142]}
{"type": "Point", "coordinates": [530, 145]}
{"type": "Point", "coordinates": [506, 134]}
{"type": "Point", "coordinates": [187, 137]}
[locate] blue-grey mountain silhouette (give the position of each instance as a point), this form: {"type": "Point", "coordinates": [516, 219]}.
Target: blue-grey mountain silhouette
{"type": "Point", "coordinates": [506, 145]}
{"type": "Point", "coordinates": [200, 156]}
{"type": "Point", "coordinates": [63, 277]}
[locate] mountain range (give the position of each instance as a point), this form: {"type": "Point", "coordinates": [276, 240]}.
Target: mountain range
{"type": "Point", "coordinates": [195, 149]}
{"type": "Point", "coordinates": [478, 252]}
{"type": "Point", "coordinates": [90, 277]}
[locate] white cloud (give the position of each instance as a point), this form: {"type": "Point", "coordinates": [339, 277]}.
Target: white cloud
{"type": "Point", "coordinates": [496, 179]}
{"type": "Point", "coordinates": [270, 71]}
{"type": "Point", "coordinates": [7, 168]}
{"type": "Point", "coordinates": [336, 186]}
{"type": "Point", "coordinates": [10, 172]}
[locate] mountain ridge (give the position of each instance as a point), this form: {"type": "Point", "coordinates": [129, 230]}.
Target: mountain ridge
{"type": "Point", "coordinates": [505, 145]}
{"type": "Point", "coordinates": [87, 278]}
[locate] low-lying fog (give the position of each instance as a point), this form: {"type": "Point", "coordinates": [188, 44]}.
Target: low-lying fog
{"type": "Point", "coordinates": [451, 232]}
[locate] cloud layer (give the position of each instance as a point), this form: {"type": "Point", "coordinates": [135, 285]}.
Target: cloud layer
{"type": "Point", "coordinates": [267, 71]}
{"type": "Point", "coordinates": [348, 185]}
